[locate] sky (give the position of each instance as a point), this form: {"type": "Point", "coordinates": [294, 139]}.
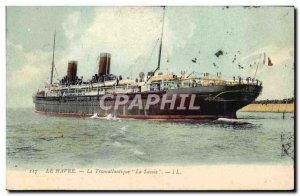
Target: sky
{"type": "Point", "coordinates": [132, 36]}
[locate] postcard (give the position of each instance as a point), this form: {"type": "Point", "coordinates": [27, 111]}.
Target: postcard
{"type": "Point", "coordinates": [150, 98]}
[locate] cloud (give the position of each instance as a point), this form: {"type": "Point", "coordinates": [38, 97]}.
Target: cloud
{"type": "Point", "coordinates": [15, 46]}
{"type": "Point", "coordinates": [279, 57]}
{"type": "Point", "coordinates": [30, 74]}
{"type": "Point", "coordinates": [277, 54]}
{"type": "Point", "coordinates": [129, 34]}
{"type": "Point", "coordinates": [180, 40]}
{"type": "Point", "coordinates": [33, 67]}
{"type": "Point", "coordinates": [125, 32]}
{"type": "Point", "coordinates": [70, 25]}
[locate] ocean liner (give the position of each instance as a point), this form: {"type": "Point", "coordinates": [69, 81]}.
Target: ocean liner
{"type": "Point", "coordinates": [155, 95]}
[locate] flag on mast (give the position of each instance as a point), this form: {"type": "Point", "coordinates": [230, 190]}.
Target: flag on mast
{"type": "Point", "coordinates": [269, 62]}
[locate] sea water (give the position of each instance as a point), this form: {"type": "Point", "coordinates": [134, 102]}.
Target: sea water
{"type": "Point", "coordinates": [39, 141]}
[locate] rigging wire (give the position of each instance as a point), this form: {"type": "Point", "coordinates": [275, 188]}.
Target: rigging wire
{"type": "Point", "coordinates": [257, 65]}
{"type": "Point", "coordinates": [147, 60]}
{"type": "Point", "coordinates": [151, 54]}
{"type": "Point", "coordinates": [56, 72]}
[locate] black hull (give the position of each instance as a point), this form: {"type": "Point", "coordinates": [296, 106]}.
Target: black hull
{"type": "Point", "coordinates": [214, 101]}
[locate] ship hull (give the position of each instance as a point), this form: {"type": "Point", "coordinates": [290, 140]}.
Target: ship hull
{"type": "Point", "coordinates": [211, 102]}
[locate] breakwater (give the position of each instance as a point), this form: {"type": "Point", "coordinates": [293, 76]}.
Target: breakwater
{"type": "Point", "coordinates": [268, 108]}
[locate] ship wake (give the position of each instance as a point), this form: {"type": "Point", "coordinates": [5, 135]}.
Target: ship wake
{"type": "Point", "coordinates": [232, 121]}
{"type": "Point", "coordinates": [107, 117]}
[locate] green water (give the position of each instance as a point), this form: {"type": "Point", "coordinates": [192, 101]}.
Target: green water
{"type": "Point", "coordinates": [39, 141]}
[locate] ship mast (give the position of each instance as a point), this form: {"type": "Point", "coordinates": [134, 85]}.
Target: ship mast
{"type": "Point", "coordinates": [161, 39]}
{"type": "Point", "coordinates": [52, 67]}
